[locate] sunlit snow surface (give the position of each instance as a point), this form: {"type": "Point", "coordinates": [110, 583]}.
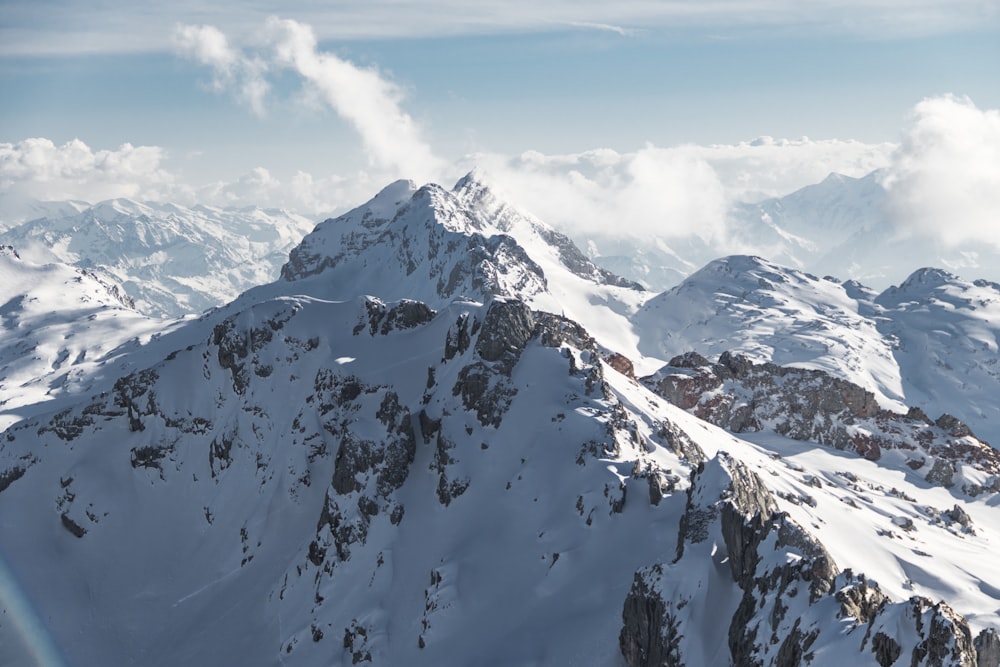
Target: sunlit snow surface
{"type": "Point", "coordinates": [63, 330]}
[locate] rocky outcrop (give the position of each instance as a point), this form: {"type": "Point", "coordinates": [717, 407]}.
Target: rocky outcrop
{"type": "Point", "coordinates": [740, 395]}
{"type": "Point", "coordinates": [987, 644]}
{"type": "Point", "coordinates": [404, 314]}
{"type": "Point", "coordinates": [506, 329]}
{"type": "Point", "coordinates": [923, 633]}
{"type": "Point", "coordinates": [650, 633]}
{"type": "Point", "coordinates": [367, 471]}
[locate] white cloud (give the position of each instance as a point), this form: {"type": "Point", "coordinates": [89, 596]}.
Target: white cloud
{"type": "Point", "coordinates": [670, 192]}
{"type": "Point", "coordinates": [944, 180]}
{"type": "Point", "coordinates": [606, 27]}
{"type": "Point", "coordinates": [232, 69]}
{"type": "Point", "coordinates": [666, 192]}
{"type": "Point", "coordinates": [38, 168]}
{"type": "Point", "coordinates": [302, 193]}
{"type": "Point", "coordinates": [768, 167]}
{"type": "Point", "coordinates": [370, 103]}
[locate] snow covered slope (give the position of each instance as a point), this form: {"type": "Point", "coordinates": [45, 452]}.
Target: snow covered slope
{"type": "Point", "coordinates": [63, 329]}
{"type": "Point", "coordinates": [172, 260]}
{"type": "Point", "coordinates": [367, 482]}
{"type": "Point", "coordinates": [772, 313]}
{"type": "Point", "coordinates": [946, 332]}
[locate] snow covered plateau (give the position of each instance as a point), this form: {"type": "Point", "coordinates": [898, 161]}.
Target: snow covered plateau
{"type": "Point", "coordinates": [437, 432]}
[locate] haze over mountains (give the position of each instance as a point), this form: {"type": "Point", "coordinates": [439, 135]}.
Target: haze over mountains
{"type": "Point", "coordinates": [440, 433]}
{"type": "Point", "coordinates": [174, 260]}
{"type": "Point", "coordinates": [842, 226]}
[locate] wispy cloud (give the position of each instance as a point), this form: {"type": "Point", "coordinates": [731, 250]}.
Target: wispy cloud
{"type": "Point", "coordinates": [60, 26]}
{"type": "Point", "coordinates": [606, 27]}
{"type": "Point", "coordinates": [362, 96]}
{"type": "Point", "coordinates": [233, 70]}
{"type": "Point", "coordinates": [369, 102]}
{"type": "Point", "coordinates": [944, 180]}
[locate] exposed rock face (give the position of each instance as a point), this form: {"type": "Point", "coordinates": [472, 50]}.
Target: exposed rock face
{"type": "Point", "coordinates": [812, 405]}
{"type": "Point", "coordinates": [649, 635]}
{"type": "Point", "coordinates": [405, 314]}
{"type": "Point", "coordinates": [507, 327]}
{"type": "Point", "coordinates": [928, 634]}
{"type": "Point", "coordinates": [622, 364]}
{"type": "Point", "coordinates": [785, 594]}
{"type": "Point", "coordinates": [987, 645]}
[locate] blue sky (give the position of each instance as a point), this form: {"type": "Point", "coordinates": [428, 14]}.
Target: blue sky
{"type": "Point", "coordinates": [475, 79]}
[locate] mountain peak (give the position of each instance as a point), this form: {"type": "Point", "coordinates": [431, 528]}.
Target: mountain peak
{"type": "Point", "coordinates": [388, 200]}
{"type": "Point", "coordinates": [475, 179]}
{"type": "Point", "coordinates": [755, 271]}
{"type": "Point", "coordinates": [927, 278]}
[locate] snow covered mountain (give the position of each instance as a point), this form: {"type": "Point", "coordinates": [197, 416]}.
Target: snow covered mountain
{"type": "Point", "coordinates": [423, 445]}
{"type": "Point", "coordinates": [929, 343]}
{"type": "Point", "coordinates": [171, 260]}
{"type": "Point", "coordinates": [434, 245]}
{"type": "Point", "coordinates": [841, 226]}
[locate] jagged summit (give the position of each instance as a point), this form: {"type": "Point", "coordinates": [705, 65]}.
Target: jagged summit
{"type": "Point", "coordinates": [435, 245]}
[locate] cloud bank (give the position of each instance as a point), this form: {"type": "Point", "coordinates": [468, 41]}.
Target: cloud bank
{"type": "Point", "coordinates": [370, 103]}
{"type": "Point", "coordinates": [38, 168]}
{"type": "Point", "coordinates": [944, 180]}
{"type": "Point", "coordinates": [670, 192]}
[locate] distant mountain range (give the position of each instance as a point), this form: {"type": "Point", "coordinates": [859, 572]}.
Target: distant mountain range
{"type": "Point", "coordinates": [441, 434]}
{"type": "Point", "coordinates": [839, 227]}
{"type": "Point", "coordinates": [171, 260]}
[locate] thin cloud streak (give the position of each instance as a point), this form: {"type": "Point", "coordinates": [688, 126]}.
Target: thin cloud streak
{"type": "Point", "coordinates": [606, 27]}
{"type": "Point", "coordinates": [52, 27]}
